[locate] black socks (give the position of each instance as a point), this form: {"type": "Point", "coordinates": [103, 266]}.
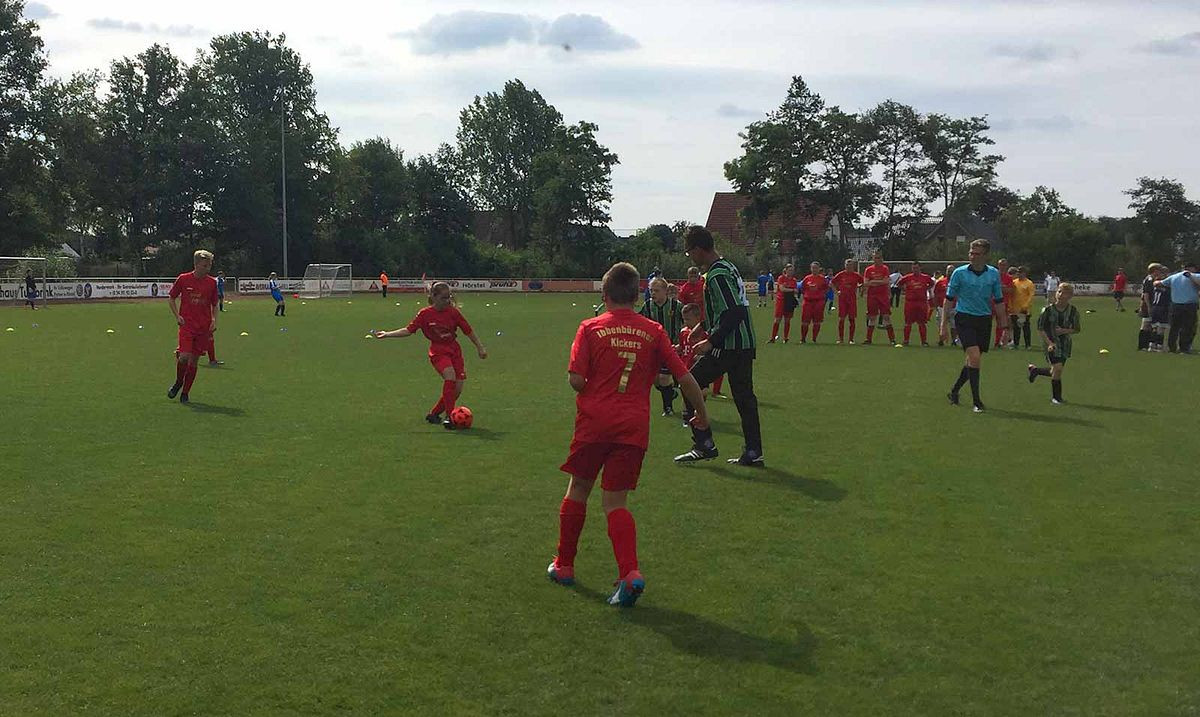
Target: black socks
{"type": "Point", "coordinates": [973, 375]}
{"type": "Point", "coordinates": [1056, 390]}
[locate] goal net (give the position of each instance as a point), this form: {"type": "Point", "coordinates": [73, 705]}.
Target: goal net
{"type": "Point", "coordinates": [14, 287]}
{"type": "Point", "coordinates": [321, 280]}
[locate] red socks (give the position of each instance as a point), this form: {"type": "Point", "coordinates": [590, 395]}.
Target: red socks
{"type": "Point", "coordinates": [571, 515]}
{"type": "Point", "coordinates": [841, 329]}
{"type": "Point", "coordinates": [804, 332]}
{"type": "Point", "coordinates": [180, 372]}
{"type": "Point", "coordinates": [787, 328]}
{"type": "Point", "coordinates": [907, 332]}
{"type": "Point", "coordinates": [870, 332]}
{"type": "Point", "coordinates": [851, 329]}
{"type": "Point", "coordinates": [448, 396]}
{"type": "Point", "coordinates": [924, 336]}
{"type": "Point", "coordinates": [622, 531]}
{"type": "Point", "coordinates": [891, 334]}
{"type": "Point", "coordinates": [775, 329]}
{"type": "Point", "coordinates": [212, 351]}
{"type": "Point", "coordinates": [437, 408]}
{"type": "Point", "coordinates": [189, 377]}
{"type": "Point", "coordinates": [816, 330]}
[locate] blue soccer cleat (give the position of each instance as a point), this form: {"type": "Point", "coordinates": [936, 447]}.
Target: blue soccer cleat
{"type": "Point", "coordinates": [560, 574]}
{"type": "Point", "coordinates": [629, 589]}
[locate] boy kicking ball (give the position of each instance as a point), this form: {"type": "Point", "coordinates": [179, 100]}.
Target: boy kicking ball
{"type": "Point", "coordinates": [1057, 323]}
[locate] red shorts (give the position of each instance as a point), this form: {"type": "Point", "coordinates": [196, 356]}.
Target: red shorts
{"type": "Point", "coordinates": [622, 463]}
{"type": "Point", "coordinates": [441, 362]}
{"type": "Point", "coordinates": [879, 305]}
{"type": "Point", "coordinates": [847, 306]}
{"type": "Point", "coordinates": [780, 308]}
{"type": "Point", "coordinates": [193, 342]}
{"type": "Point", "coordinates": [812, 311]}
{"type": "Point", "coordinates": [916, 313]}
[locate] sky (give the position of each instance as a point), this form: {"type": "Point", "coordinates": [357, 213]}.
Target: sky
{"type": "Point", "coordinates": [1084, 97]}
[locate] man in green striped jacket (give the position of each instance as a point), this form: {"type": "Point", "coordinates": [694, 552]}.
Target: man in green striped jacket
{"type": "Point", "coordinates": [728, 349]}
{"type": "Point", "coordinates": [668, 313]}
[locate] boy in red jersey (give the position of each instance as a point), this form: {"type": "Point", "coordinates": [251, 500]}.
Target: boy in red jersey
{"type": "Point", "coordinates": [939, 300]}
{"type": "Point", "coordinates": [692, 291]}
{"type": "Point", "coordinates": [1120, 281]}
{"type": "Point", "coordinates": [196, 315]}
{"type": "Point", "coordinates": [1006, 288]}
{"type": "Point", "coordinates": [614, 361]}
{"type": "Point", "coordinates": [785, 303]}
{"type": "Point", "coordinates": [813, 288]}
{"type": "Point", "coordinates": [848, 284]}
{"type": "Point", "coordinates": [916, 286]}
{"type": "Point", "coordinates": [691, 334]}
{"type": "Point", "coordinates": [440, 322]}
{"type": "Point", "coordinates": [877, 279]}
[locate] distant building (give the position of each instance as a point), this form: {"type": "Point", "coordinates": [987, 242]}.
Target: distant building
{"type": "Point", "coordinates": [948, 237]}
{"type": "Point", "coordinates": [811, 220]}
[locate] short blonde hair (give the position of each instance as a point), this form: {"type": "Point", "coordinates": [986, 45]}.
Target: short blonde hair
{"type": "Point", "coordinates": [202, 254]}
{"type": "Point", "coordinates": [1154, 266]}
{"type": "Point", "coordinates": [658, 281]}
{"type": "Point", "coordinates": [983, 244]}
{"type": "Point", "coordinates": [1067, 286]}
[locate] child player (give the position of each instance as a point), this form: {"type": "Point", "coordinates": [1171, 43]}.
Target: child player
{"type": "Point", "coordinates": [939, 305]}
{"type": "Point", "coordinates": [196, 314]}
{"type": "Point", "coordinates": [848, 283]}
{"type": "Point", "coordinates": [614, 361]}
{"type": "Point", "coordinates": [691, 334]}
{"type": "Point", "coordinates": [916, 286]}
{"type": "Point", "coordinates": [1057, 323]}
{"type": "Point", "coordinates": [765, 284]}
{"type": "Point", "coordinates": [440, 322]}
{"type": "Point", "coordinates": [668, 313]}
{"type": "Point", "coordinates": [812, 311]}
{"type": "Point", "coordinates": [276, 294]}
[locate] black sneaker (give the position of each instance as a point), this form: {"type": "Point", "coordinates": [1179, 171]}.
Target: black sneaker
{"type": "Point", "coordinates": [434, 418]}
{"type": "Point", "coordinates": [668, 411]}
{"type": "Point", "coordinates": [953, 396]}
{"type": "Point", "coordinates": [448, 424]}
{"type": "Point", "coordinates": [173, 391]}
{"type": "Point", "coordinates": [697, 454]}
{"type": "Point", "coordinates": [1032, 373]}
{"type": "Point", "coordinates": [749, 458]}
{"type": "Point", "coordinates": [183, 398]}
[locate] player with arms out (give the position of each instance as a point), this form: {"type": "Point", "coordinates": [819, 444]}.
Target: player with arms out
{"type": "Point", "coordinates": [614, 361]}
{"type": "Point", "coordinates": [812, 311]}
{"type": "Point", "coordinates": [196, 313]}
{"type": "Point", "coordinates": [785, 303]}
{"type": "Point", "coordinates": [916, 285]}
{"type": "Point", "coordinates": [974, 296]}
{"type": "Point", "coordinates": [877, 279]}
{"type": "Point", "coordinates": [1057, 323]}
{"type": "Point", "coordinates": [667, 313]}
{"type": "Point", "coordinates": [848, 284]}
{"type": "Point", "coordinates": [440, 322]}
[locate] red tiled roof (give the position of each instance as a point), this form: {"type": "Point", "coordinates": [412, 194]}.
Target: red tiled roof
{"type": "Point", "coordinates": [811, 219]}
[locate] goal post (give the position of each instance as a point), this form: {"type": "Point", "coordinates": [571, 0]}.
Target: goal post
{"type": "Point", "coordinates": [13, 287]}
{"type": "Point", "coordinates": [322, 280]}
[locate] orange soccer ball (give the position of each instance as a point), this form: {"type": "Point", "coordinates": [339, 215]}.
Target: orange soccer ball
{"type": "Point", "coordinates": [462, 417]}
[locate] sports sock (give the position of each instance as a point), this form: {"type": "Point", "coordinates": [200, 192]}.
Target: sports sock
{"type": "Point", "coordinates": [851, 329]}
{"type": "Point", "coordinates": [870, 331]}
{"type": "Point", "coordinates": [804, 331]}
{"type": "Point", "coordinates": [963, 376]}
{"type": "Point", "coordinates": [668, 396]}
{"type": "Point", "coordinates": [622, 531]}
{"type": "Point", "coordinates": [923, 331]}
{"type": "Point", "coordinates": [816, 330]}
{"type": "Point", "coordinates": [180, 372]}
{"type": "Point", "coordinates": [891, 333]}
{"type": "Point", "coordinates": [718, 383]}
{"type": "Point", "coordinates": [189, 377]}
{"type": "Point", "coordinates": [973, 373]}
{"type": "Point", "coordinates": [448, 396]}
{"type": "Point", "coordinates": [1056, 389]}
{"type": "Point", "coordinates": [775, 329]}
{"type": "Point", "coordinates": [571, 516]}
{"type": "Point", "coordinates": [907, 332]}
{"type": "Point", "coordinates": [437, 408]}
{"type": "Point", "coordinates": [212, 352]}
{"type": "Point", "coordinates": [841, 329]}
{"type": "Point", "coordinates": [787, 328]}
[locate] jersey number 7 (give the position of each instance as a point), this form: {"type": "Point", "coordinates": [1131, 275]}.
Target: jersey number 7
{"type": "Point", "coordinates": [630, 360]}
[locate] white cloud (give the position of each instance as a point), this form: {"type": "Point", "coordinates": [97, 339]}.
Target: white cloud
{"type": "Point", "coordinates": [1183, 46]}
{"type": "Point", "coordinates": [108, 23]}
{"type": "Point", "coordinates": [471, 30]}
{"type": "Point", "coordinates": [39, 11]}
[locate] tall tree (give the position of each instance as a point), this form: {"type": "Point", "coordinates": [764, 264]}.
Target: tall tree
{"type": "Point", "coordinates": [1170, 222]}
{"type": "Point", "coordinates": [907, 184]}
{"type": "Point", "coordinates": [954, 154]}
{"type": "Point", "coordinates": [22, 125]}
{"type": "Point", "coordinates": [847, 155]}
{"type": "Point", "coordinates": [573, 179]}
{"type": "Point", "coordinates": [75, 156]}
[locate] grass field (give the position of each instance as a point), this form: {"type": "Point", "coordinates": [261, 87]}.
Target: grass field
{"type": "Point", "coordinates": [299, 541]}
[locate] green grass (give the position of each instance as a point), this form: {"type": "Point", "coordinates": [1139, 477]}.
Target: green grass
{"type": "Point", "coordinates": [300, 541]}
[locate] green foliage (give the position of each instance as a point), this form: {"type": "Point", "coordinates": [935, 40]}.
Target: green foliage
{"type": "Point", "coordinates": [23, 177]}
{"type": "Point", "coordinates": [907, 182]}
{"type": "Point", "coordinates": [954, 155]}
{"type": "Point", "coordinates": [1169, 222]}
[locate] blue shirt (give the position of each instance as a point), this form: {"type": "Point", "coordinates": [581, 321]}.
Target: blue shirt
{"type": "Point", "coordinates": [973, 293]}
{"type": "Point", "coordinates": [764, 280]}
{"type": "Point", "coordinates": [1183, 289]}
{"type": "Point", "coordinates": [220, 286]}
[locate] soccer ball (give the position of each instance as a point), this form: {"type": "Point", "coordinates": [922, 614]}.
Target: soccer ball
{"type": "Point", "coordinates": [462, 417]}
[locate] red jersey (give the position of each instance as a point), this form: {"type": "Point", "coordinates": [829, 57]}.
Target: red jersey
{"type": "Point", "coordinates": [441, 328]}
{"type": "Point", "coordinates": [620, 354]}
{"type": "Point", "coordinates": [199, 296]}
{"type": "Point", "coordinates": [814, 287]}
{"type": "Point", "coordinates": [916, 288]}
{"type": "Point", "coordinates": [878, 272]}
{"type": "Point", "coordinates": [691, 293]}
{"type": "Point", "coordinates": [847, 282]}
{"type": "Point", "coordinates": [1119, 282]}
{"type": "Point", "coordinates": [1007, 289]}
{"type": "Point", "coordinates": [783, 281]}
{"type": "Point", "coordinates": [688, 338]}
{"type": "Point", "coordinates": [939, 290]}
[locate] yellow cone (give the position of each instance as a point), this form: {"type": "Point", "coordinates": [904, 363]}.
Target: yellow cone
{"type": "Point", "coordinates": [244, 334]}
{"type": "Point", "coordinates": [110, 331]}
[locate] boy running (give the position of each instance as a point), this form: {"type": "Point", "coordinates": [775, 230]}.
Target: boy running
{"type": "Point", "coordinates": [848, 284]}
{"type": "Point", "coordinates": [614, 361]}
{"type": "Point", "coordinates": [667, 313]}
{"type": "Point", "coordinates": [440, 322]}
{"type": "Point", "coordinates": [1057, 324]}
{"type": "Point", "coordinates": [196, 314]}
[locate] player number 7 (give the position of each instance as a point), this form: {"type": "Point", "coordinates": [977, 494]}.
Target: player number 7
{"type": "Point", "coordinates": [630, 360]}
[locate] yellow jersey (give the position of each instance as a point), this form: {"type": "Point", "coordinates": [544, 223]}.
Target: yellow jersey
{"type": "Point", "coordinates": [1022, 301]}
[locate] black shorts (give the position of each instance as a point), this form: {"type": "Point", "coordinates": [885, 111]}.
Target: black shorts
{"type": "Point", "coordinates": [973, 331]}
{"type": "Point", "coordinates": [1118, 294]}
{"type": "Point", "coordinates": [1055, 359]}
{"type": "Point", "coordinates": [1160, 315]}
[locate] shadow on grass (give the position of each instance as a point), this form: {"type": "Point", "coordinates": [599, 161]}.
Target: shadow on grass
{"type": "Point", "coordinates": [483, 434]}
{"type": "Point", "coordinates": [219, 410]}
{"type": "Point", "coordinates": [815, 488]}
{"type": "Point", "coordinates": [1041, 418]}
{"type": "Point", "coordinates": [710, 640]}
{"type": "Point", "coordinates": [1111, 409]}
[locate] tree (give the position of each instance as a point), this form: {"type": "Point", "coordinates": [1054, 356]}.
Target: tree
{"type": "Point", "coordinates": [75, 157]}
{"type": "Point", "coordinates": [954, 155]}
{"type": "Point", "coordinates": [573, 180]}
{"type": "Point", "coordinates": [1169, 221]}
{"type": "Point", "coordinates": [22, 123]}
{"type": "Point", "coordinates": [907, 182]}
{"type": "Point", "coordinates": [847, 154]}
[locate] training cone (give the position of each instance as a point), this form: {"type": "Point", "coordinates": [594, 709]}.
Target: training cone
{"type": "Point", "coordinates": [10, 329]}
{"type": "Point", "coordinates": [109, 331]}
{"type": "Point", "coordinates": [244, 334]}
{"type": "Point", "coordinates": [1103, 351]}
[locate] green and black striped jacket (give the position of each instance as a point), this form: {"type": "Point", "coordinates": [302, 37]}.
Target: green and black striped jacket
{"type": "Point", "coordinates": [725, 290]}
{"type": "Point", "coordinates": [669, 315]}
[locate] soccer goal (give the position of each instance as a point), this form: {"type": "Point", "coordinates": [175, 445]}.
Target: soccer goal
{"type": "Point", "coordinates": [321, 280]}
{"type": "Point", "coordinates": [13, 284]}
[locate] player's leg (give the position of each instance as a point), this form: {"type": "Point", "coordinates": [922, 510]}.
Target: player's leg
{"type": "Point", "coordinates": [583, 465]}
{"type": "Point", "coordinates": [666, 388]}
{"type": "Point", "coordinates": [887, 323]}
{"type": "Point", "coordinates": [778, 318]}
{"type": "Point", "coordinates": [741, 382]}
{"type": "Point", "coordinates": [183, 354]}
{"type": "Point", "coordinates": [872, 319]}
{"type": "Point", "coordinates": [622, 468]}
{"type": "Point", "coordinates": [1056, 371]}
{"type": "Point", "coordinates": [922, 317]}
{"type": "Point", "coordinates": [212, 352]}
{"type": "Point", "coordinates": [817, 319]}
{"type": "Point", "coordinates": [717, 384]}
{"type": "Point", "coordinates": [199, 348]}
{"type": "Point", "coordinates": [805, 321]}
{"type": "Point", "coordinates": [1187, 333]}
{"type": "Point", "coordinates": [787, 325]}
{"type": "Point", "coordinates": [706, 369]}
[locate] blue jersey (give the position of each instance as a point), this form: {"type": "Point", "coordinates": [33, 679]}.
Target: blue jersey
{"type": "Point", "coordinates": [220, 286]}
{"type": "Point", "coordinates": [975, 294]}
{"type": "Point", "coordinates": [764, 282]}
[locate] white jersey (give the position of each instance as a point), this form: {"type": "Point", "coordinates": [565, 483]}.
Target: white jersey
{"type": "Point", "coordinates": [1051, 284]}
{"type": "Point", "coordinates": [894, 279]}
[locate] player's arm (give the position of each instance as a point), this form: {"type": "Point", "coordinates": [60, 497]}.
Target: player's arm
{"type": "Point", "coordinates": [393, 334]}
{"type": "Point", "coordinates": [1044, 329]}
{"type": "Point", "coordinates": [998, 305]}
{"type": "Point", "coordinates": [212, 309]}
{"type": "Point", "coordinates": [478, 345]}
{"type": "Point", "coordinates": [579, 382]}
{"type": "Point", "coordinates": [687, 383]}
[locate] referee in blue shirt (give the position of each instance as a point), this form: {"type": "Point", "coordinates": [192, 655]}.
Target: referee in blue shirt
{"type": "Point", "coordinates": [973, 295]}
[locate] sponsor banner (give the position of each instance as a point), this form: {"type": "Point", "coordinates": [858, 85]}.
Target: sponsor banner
{"type": "Point", "coordinates": [575, 285]}
{"type": "Point", "coordinates": [259, 286]}
{"type": "Point", "coordinates": [84, 289]}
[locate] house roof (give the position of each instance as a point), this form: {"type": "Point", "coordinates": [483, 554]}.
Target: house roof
{"type": "Point", "coordinates": [968, 225]}
{"type": "Point", "coordinates": [811, 219]}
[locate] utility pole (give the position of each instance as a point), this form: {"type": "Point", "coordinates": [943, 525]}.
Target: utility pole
{"type": "Point", "coordinates": [283, 157]}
